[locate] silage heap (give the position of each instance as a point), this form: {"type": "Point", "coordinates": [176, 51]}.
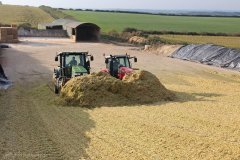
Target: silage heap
{"type": "Point", "coordinates": [100, 89]}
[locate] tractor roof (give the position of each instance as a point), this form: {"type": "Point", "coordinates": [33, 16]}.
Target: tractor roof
{"type": "Point", "coordinates": [118, 56]}
{"type": "Point", "coordinates": [72, 53]}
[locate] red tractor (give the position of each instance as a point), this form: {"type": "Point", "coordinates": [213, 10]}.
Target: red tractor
{"type": "Point", "coordinates": [118, 65]}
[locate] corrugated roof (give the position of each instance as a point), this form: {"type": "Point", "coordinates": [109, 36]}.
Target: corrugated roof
{"type": "Point", "coordinates": [58, 22]}
{"type": "Point", "coordinates": [66, 23]}
{"type": "Point", "coordinates": [76, 24]}
{"type": "Point", "coordinates": [73, 24]}
{"type": "Point", "coordinates": [62, 21]}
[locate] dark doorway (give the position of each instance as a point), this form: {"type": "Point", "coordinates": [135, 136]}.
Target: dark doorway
{"type": "Point", "coordinates": [87, 32]}
{"type": "Point", "coordinates": [60, 27]}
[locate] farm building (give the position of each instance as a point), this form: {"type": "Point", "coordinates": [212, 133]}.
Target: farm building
{"type": "Point", "coordinates": [57, 24]}
{"type": "Point", "coordinates": [78, 31]}
{"type": "Point", "coordinates": [8, 35]}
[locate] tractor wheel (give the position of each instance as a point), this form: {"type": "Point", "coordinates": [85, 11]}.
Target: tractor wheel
{"type": "Point", "coordinates": [56, 89]}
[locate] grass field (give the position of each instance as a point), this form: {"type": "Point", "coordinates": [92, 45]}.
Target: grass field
{"type": "Point", "coordinates": [232, 42]}
{"type": "Point", "coordinates": [13, 14]}
{"type": "Point", "coordinates": [119, 21]}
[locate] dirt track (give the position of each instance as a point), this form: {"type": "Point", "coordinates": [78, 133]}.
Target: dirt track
{"type": "Point", "coordinates": [202, 124]}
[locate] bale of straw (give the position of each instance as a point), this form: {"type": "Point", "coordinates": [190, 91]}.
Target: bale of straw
{"type": "Point", "coordinates": [137, 39]}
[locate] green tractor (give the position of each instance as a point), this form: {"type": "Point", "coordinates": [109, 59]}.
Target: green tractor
{"type": "Point", "coordinates": [72, 64]}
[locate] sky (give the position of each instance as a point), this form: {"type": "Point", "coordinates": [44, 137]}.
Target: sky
{"type": "Point", "coordinates": [214, 5]}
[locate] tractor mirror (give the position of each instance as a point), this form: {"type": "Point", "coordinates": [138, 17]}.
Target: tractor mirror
{"type": "Point", "coordinates": [92, 58]}
{"type": "Point", "coordinates": [56, 58]}
{"type": "Point", "coordinates": [135, 59]}
{"type": "Point", "coordinates": [106, 61]}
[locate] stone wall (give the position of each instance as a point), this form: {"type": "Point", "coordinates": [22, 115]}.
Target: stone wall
{"type": "Point", "coordinates": [8, 35]}
{"type": "Point", "coordinates": [41, 33]}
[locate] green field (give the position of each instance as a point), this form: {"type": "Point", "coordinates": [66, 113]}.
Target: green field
{"type": "Point", "coordinates": [13, 14]}
{"type": "Point", "coordinates": [119, 21]}
{"type": "Point", "coordinates": [232, 42]}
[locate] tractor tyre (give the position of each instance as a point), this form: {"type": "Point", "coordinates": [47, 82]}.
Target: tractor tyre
{"type": "Point", "coordinates": [56, 89]}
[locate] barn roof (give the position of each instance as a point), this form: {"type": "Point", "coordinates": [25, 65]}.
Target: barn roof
{"type": "Point", "coordinates": [62, 22]}
{"type": "Point", "coordinates": [67, 23]}
{"type": "Point", "coordinates": [73, 24]}
{"type": "Point", "coordinates": [58, 22]}
{"type": "Point", "coordinates": [76, 24]}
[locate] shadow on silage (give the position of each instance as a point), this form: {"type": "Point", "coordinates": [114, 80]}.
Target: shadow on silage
{"type": "Point", "coordinates": [200, 97]}
{"type": "Point", "coordinates": [177, 97]}
{"type": "Point", "coordinates": [68, 126]}
{"type": "Point", "coordinates": [43, 128]}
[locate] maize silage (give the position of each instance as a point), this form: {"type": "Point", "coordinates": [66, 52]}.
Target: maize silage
{"type": "Point", "coordinates": [101, 89]}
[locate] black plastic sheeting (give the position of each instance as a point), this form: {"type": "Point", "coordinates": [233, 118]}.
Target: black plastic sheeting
{"type": "Point", "coordinates": [210, 54]}
{"type": "Point", "coordinates": [4, 46]}
{"type": "Point", "coordinates": [4, 82]}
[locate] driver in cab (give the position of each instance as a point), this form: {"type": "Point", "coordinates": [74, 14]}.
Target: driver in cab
{"type": "Point", "coordinates": [73, 62]}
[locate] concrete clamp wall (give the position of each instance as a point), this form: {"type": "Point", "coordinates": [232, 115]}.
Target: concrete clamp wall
{"type": "Point", "coordinates": [41, 33]}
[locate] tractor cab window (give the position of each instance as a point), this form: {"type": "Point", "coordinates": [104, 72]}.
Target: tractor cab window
{"type": "Point", "coordinates": [116, 64]}
{"type": "Point", "coordinates": [74, 60]}
{"type": "Point", "coordinates": [124, 61]}
{"type": "Point", "coordinates": [119, 62]}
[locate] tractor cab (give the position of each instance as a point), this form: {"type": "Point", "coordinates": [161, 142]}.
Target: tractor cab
{"type": "Point", "coordinates": [71, 64]}
{"type": "Point", "coordinates": [118, 65]}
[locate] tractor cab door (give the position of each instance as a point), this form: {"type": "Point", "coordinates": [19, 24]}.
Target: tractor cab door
{"type": "Point", "coordinates": [69, 61]}
{"type": "Point", "coordinates": [114, 67]}
{"type": "Point", "coordinates": [85, 62]}
{"type": "Point", "coordinates": [82, 60]}
{"type": "Point", "coordinates": [62, 66]}
{"type": "Point", "coordinates": [87, 66]}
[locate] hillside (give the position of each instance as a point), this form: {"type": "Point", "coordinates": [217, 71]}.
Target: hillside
{"type": "Point", "coordinates": [13, 14]}
{"type": "Point", "coordinates": [118, 21]}
{"type": "Point", "coordinates": [55, 13]}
